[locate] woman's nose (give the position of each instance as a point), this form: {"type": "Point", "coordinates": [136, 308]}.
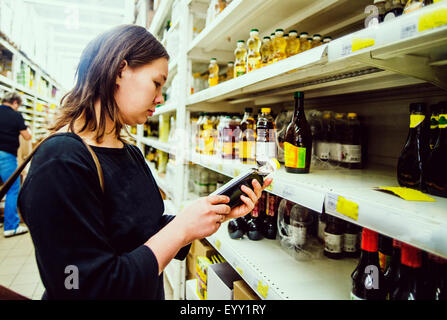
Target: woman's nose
{"type": "Point", "coordinates": [159, 99]}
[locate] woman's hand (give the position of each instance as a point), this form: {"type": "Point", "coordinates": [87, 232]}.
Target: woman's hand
{"type": "Point", "coordinates": [250, 201]}
{"type": "Point", "coordinates": [203, 218]}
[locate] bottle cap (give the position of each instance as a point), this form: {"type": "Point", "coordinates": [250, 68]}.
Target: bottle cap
{"type": "Point", "coordinates": [266, 110]}
{"type": "Point", "coordinates": [302, 34]}
{"type": "Point", "coordinates": [317, 36]}
{"type": "Point", "coordinates": [279, 30]}
{"type": "Point", "coordinates": [213, 59]}
{"type": "Point", "coordinates": [298, 94]}
{"type": "Point", "coordinates": [339, 115]}
{"type": "Point", "coordinates": [293, 31]}
{"type": "Point", "coordinates": [378, 1]}
{"type": "Point", "coordinates": [240, 41]}
{"type": "Point", "coordinates": [411, 256]}
{"type": "Point", "coordinates": [327, 39]}
{"type": "Point", "coordinates": [267, 38]}
{"type": "Point", "coordinates": [352, 115]}
{"type": "Point", "coordinates": [254, 30]}
{"type": "Point", "coordinates": [369, 240]}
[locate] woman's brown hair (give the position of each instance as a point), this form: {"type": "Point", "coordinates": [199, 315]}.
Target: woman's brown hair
{"type": "Point", "coordinates": [100, 64]}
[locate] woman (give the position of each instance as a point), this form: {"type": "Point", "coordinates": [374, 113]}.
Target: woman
{"type": "Point", "coordinates": [114, 244]}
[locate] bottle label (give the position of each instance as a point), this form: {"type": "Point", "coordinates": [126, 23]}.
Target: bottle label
{"type": "Point", "coordinates": [213, 81]}
{"type": "Point", "coordinates": [350, 242]}
{"type": "Point", "coordinates": [239, 71]}
{"type": "Point", "coordinates": [442, 122]}
{"type": "Point", "coordinates": [322, 150]}
{"type": "Point", "coordinates": [416, 119]}
{"type": "Point", "coordinates": [228, 149]}
{"type": "Point", "coordinates": [354, 297]}
{"type": "Point", "coordinates": [299, 234]}
{"type": "Point", "coordinates": [321, 227]}
{"type": "Point", "coordinates": [434, 122]}
{"type": "Point", "coordinates": [253, 63]}
{"type": "Point", "coordinates": [270, 209]}
{"type": "Point", "coordinates": [351, 153]}
{"type": "Point", "coordinates": [247, 149]}
{"type": "Point", "coordinates": [265, 150]}
{"type": "Point", "coordinates": [295, 157]}
{"type": "Point", "coordinates": [333, 242]}
{"type": "Point", "coordinates": [384, 261]}
{"type": "Point", "coordinates": [335, 151]}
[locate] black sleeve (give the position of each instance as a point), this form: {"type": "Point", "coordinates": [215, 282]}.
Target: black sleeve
{"type": "Point", "coordinates": [20, 122]}
{"type": "Point", "coordinates": [61, 204]}
{"type": "Point", "coordinates": [183, 252]}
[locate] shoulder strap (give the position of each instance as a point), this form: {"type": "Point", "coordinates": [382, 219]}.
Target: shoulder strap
{"type": "Point", "coordinates": [7, 185]}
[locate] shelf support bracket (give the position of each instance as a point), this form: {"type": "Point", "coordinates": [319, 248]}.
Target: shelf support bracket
{"type": "Point", "coordinates": [410, 65]}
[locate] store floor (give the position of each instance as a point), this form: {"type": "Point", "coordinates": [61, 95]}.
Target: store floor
{"type": "Point", "coordinates": [18, 268]}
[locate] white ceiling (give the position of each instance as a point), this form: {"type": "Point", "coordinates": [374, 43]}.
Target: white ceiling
{"type": "Point", "coordinates": [76, 22]}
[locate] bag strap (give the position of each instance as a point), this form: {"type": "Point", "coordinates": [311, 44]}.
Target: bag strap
{"type": "Point", "coordinates": [7, 185]}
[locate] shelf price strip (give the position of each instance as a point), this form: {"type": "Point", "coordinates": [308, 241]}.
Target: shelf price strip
{"type": "Point", "coordinates": [343, 206]}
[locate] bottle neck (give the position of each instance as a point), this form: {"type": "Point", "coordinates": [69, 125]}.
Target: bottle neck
{"type": "Point", "coordinates": [299, 108]}
{"type": "Point", "coordinates": [442, 125]}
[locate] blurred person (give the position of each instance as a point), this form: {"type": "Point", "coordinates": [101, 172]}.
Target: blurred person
{"type": "Point", "coordinates": [12, 126]}
{"type": "Point", "coordinates": [115, 242]}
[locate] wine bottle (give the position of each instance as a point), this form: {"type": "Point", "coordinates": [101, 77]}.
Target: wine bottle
{"type": "Point", "coordinates": [269, 225]}
{"type": "Point", "coordinates": [412, 160]}
{"type": "Point", "coordinates": [436, 172]}
{"type": "Point", "coordinates": [351, 241]}
{"type": "Point", "coordinates": [254, 228]}
{"type": "Point", "coordinates": [392, 273]}
{"type": "Point", "coordinates": [367, 278]}
{"type": "Point", "coordinates": [434, 125]}
{"type": "Point", "coordinates": [333, 238]}
{"type": "Point", "coordinates": [298, 140]}
{"type": "Point", "coordinates": [409, 286]}
{"type": "Point", "coordinates": [247, 138]}
{"type": "Point", "coordinates": [385, 251]}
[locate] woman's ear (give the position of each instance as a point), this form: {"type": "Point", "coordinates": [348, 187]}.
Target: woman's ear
{"type": "Point", "coordinates": [122, 68]}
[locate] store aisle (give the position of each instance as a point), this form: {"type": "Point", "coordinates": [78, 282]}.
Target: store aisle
{"type": "Point", "coordinates": [18, 268]}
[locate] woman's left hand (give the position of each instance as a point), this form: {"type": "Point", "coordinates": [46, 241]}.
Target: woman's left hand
{"type": "Point", "coordinates": [250, 200]}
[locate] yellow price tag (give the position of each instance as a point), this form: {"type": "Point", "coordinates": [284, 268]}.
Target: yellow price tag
{"type": "Point", "coordinates": [348, 208]}
{"type": "Point", "coordinates": [408, 194]}
{"type": "Point", "coordinates": [239, 270]}
{"type": "Point", "coordinates": [433, 20]}
{"type": "Point", "coordinates": [359, 43]}
{"type": "Point", "coordinates": [217, 243]}
{"type": "Point", "coordinates": [262, 289]}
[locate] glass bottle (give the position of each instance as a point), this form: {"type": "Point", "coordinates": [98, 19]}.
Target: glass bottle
{"type": "Point", "coordinates": [351, 240]}
{"type": "Point", "coordinates": [232, 189]}
{"type": "Point", "coordinates": [435, 176]}
{"type": "Point", "coordinates": [396, 10]}
{"type": "Point", "coordinates": [409, 285]}
{"type": "Point", "coordinates": [247, 138]}
{"type": "Point", "coordinates": [266, 51]}
{"type": "Point", "coordinates": [293, 43]}
{"type": "Point", "coordinates": [333, 238]}
{"type": "Point", "coordinates": [240, 55]}
{"type": "Point", "coordinates": [434, 125]}
{"type": "Point", "coordinates": [326, 40]}
{"type": "Point", "coordinates": [254, 225]}
{"type": "Point", "coordinates": [392, 272]}
{"type": "Point", "coordinates": [299, 221]}
{"type": "Point", "coordinates": [385, 251]}
{"type": "Point", "coordinates": [412, 160]}
{"type": "Point", "coordinates": [265, 137]}
{"type": "Point", "coordinates": [269, 225]}
{"type": "Point", "coordinates": [213, 68]}
{"type": "Point", "coordinates": [339, 126]}
{"type": "Point", "coordinates": [298, 140]}
{"type": "Point", "coordinates": [367, 278]}
{"type": "Point", "coordinates": [413, 5]}
{"type": "Point", "coordinates": [323, 146]}
{"type": "Point", "coordinates": [253, 55]}
{"type": "Point", "coordinates": [351, 148]}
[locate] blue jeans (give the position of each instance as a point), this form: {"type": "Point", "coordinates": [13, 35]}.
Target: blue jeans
{"type": "Point", "coordinates": [8, 164]}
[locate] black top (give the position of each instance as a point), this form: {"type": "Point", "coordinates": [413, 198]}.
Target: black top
{"type": "Point", "coordinates": [11, 123]}
{"type": "Point", "coordinates": [72, 222]}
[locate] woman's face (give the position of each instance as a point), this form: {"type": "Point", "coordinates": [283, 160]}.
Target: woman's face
{"type": "Point", "coordinates": [139, 90]}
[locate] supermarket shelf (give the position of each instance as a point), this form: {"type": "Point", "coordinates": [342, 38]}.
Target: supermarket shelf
{"type": "Point", "coordinates": [161, 181]}
{"type": "Point", "coordinates": [170, 106]}
{"type": "Point", "coordinates": [160, 16]}
{"type": "Point", "coordinates": [263, 264]}
{"type": "Point", "coordinates": [191, 290]}
{"type": "Point", "coordinates": [157, 144]}
{"type": "Point", "coordinates": [6, 81]}
{"type": "Point", "coordinates": [421, 224]}
{"type": "Point", "coordinates": [407, 52]}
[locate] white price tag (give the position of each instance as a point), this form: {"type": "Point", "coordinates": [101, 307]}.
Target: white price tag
{"type": "Point", "coordinates": [288, 192]}
{"type": "Point", "coordinates": [408, 30]}
{"type": "Point", "coordinates": [331, 204]}
{"type": "Point", "coordinates": [346, 49]}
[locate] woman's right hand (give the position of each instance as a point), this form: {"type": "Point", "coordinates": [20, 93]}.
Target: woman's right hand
{"type": "Point", "coordinates": [203, 218]}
